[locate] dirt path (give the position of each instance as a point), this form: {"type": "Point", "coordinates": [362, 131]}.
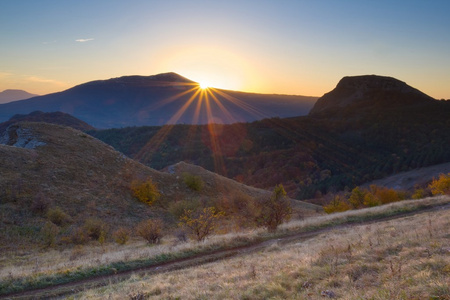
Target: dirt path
{"type": "Point", "coordinates": [59, 291]}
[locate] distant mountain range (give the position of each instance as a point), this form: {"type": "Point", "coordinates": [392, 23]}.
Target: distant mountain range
{"type": "Point", "coordinates": [14, 95]}
{"type": "Point", "coordinates": [158, 100]}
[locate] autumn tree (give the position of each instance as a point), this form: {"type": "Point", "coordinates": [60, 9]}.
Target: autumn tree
{"type": "Point", "coordinates": [200, 223]}
{"type": "Point", "coordinates": [356, 198]}
{"type": "Point", "coordinates": [440, 186]}
{"type": "Point", "coordinates": [338, 203]}
{"type": "Point", "coordinates": [145, 191]}
{"type": "Point", "coordinates": [274, 209]}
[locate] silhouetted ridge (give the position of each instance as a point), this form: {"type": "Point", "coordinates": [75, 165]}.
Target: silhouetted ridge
{"type": "Point", "coordinates": [51, 117]}
{"type": "Point", "coordinates": [367, 91]}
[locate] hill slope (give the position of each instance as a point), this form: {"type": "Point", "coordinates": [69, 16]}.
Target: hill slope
{"type": "Point", "coordinates": [47, 166]}
{"type": "Point", "coordinates": [158, 100]}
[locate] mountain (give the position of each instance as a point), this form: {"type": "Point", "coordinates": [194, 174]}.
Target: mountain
{"type": "Point", "coordinates": [53, 117]}
{"type": "Point", "coordinates": [368, 92]}
{"type": "Point", "coordinates": [157, 100]}
{"type": "Point", "coordinates": [340, 144]}
{"type": "Point", "coordinates": [46, 166]}
{"type": "Point", "coordinates": [14, 95]}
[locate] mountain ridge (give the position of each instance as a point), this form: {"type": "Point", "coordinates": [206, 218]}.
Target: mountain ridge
{"type": "Point", "coordinates": [160, 99]}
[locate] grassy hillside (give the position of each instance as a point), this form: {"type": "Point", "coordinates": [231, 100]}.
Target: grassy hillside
{"type": "Point", "coordinates": [63, 176]}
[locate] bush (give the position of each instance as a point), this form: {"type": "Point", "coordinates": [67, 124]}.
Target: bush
{"type": "Point", "coordinates": [441, 186]}
{"type": "Point", "coordinates": [40, 204]}
{"type": "Point", "coordinates": [193, 182]}
{"type": "Point", "coordinates": [200, 223]}
{"type": "Point", "coordinates": [121, 236]}
{"type": "Point", "coordinates": [356, 198]}
{"type": "Point", "coordinates": [57, 216]}
{"type": "Point", "coordinates": [145, 191]}
{"type": "Point", "coordinates": [150, 230]}
{"type": "Point", "coordinates": [79, 236]}
{"type": "Point", "coordinates": [275, 209]}
{"type": "Point", "coordinates": [178, 208]}
{"type": "Point", "coordinates": [95, 229]}
{"type": "Point", "coordinates": [49, 233]}
{"type": "Point", "coordinates": [337, 204]}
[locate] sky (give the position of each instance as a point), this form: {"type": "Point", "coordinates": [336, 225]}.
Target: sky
{"type": "Point", "coordinates": [279, 46]}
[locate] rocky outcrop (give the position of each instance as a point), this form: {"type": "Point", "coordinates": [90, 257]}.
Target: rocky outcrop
{"type": "Point", "coordinates": [20, 137]}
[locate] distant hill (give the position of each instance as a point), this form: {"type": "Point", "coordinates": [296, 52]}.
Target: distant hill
{"type": "Point", "coordinates": [56, 166]}
{"type": "Point", "coordinates": [345, 141]}
{"type": "Point", "coordinates": [368, 92]}
{"type": "Point", "coordinates": [53, 117]}
{"type": "Point", "coordinates": [14, 95]}
{"type": "Point", "coordinates": [157, 100]}
{"type": "Point", "coordinates": [408, 181]}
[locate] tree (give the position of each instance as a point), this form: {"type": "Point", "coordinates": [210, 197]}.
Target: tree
{"type": "Point", "coordinates": [338, 203]}
{"type": "Point", "coordinates": [356, 198]}
{"type": "Point", "coordinates": [200, 223]}
{"type": "Point", "coordinates": [145, 191]}
{"type": "Point", "coordinates": [441, 186]}
{"type": "Point", "coordinates": [275, 209]}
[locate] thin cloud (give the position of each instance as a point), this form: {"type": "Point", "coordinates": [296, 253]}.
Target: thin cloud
{"type": "Point", "coordinates": [84, 40]}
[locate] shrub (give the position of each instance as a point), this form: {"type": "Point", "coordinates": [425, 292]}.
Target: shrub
{"type": "Point", "coordinates": [386, 195]}
{"type": "Point", "coordinates": [274, 209]}
{"type": "Point", "coordinates": [49, 233]}
{"type": "Point", "coordinates": [40, 204]}
{"type": "Point", "coordinates": [178, 208]}
{"type": "Point", "coordinates": [121, 236]}
{"type": "Point", "coordinates": [200, 223]}
{"type": "Point", "coordinates": [420, 193]}
{"type": "Point", "coordinates": [193, 182]}
{"type": "Point", "coordinates": [95, 229]}
{"type": "Point", "coordinates": [356, 198]}
{"type": "Point", "coordinates": [79, 236]}
{"type": "Point", "coordinates": [145, 191]}
{"type": "Point", "coordinates": [337, 204]}
{"type": "Point", "coordinates": [57, 216]}
{"type": "Point", "coordinates": [440, 186]}
{"type": "Point", "coordinates": [150, 230]}
{"type": "Point", "coordinates": [370, 200]}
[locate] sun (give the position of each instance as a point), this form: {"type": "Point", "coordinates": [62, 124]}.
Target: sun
{"type": "Point", "coordinates": [203, 85]}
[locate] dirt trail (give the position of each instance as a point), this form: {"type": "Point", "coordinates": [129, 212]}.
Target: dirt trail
{"type": "Point", "coordinates": [59, 291]}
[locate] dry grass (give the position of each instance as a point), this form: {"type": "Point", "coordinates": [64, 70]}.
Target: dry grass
{"type": "Point", "coordinates": [47, 263]}
{"type": "Point", "coordinates": [406, 258]}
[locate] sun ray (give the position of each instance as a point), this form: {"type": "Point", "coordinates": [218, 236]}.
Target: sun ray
{"type": "Point", "coordinates": [153, 144]}
{"type": "Point", "coordinates": [247, 107]}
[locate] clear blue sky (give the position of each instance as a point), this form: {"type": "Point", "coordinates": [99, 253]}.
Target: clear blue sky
{"type": "Point", "coordinates": [290, 47]}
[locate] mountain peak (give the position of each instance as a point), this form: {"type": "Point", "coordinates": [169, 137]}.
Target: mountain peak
{"type": "Point", "coordinates": [368, 90]}
{"type": "Point", "coordinates": [10, 95]}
